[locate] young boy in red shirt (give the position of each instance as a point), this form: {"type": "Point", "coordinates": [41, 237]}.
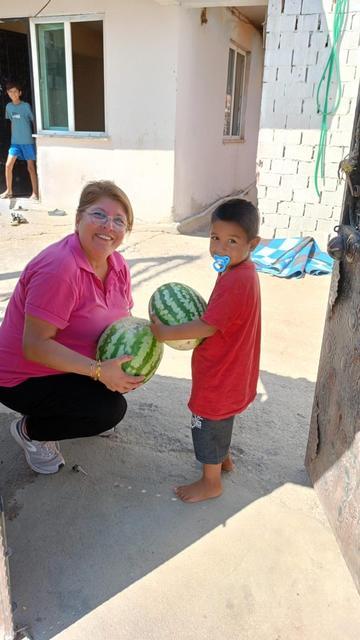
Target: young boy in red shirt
{"type": "Point", "coordinates": [225, 366]}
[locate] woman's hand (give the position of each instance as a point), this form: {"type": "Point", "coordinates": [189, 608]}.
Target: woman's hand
{"type": "Point", "coordinates": [114, 377]}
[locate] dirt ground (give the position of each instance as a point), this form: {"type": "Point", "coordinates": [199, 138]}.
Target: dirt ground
{"type": "Point", "coordinates": [113, 554]}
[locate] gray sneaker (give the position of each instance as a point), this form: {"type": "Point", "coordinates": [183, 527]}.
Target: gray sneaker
{"type": "Point", "coordinates": [42, 457]}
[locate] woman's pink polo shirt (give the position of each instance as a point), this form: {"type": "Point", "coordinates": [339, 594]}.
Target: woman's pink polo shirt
{"type": "Point", "coordinates": [60, 286]}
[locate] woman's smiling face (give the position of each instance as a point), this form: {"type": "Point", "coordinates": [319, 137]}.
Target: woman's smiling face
{"type": "Point", "coordinates": [101, 228]}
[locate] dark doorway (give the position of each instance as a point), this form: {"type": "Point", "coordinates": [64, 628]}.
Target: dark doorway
{"type": "Point", "coordinates": [14, 64]}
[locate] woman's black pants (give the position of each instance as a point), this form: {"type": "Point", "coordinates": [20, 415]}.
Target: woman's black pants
{"type": "Point", "coordinates": [64, 406]}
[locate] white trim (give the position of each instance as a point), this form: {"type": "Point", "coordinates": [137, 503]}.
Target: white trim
{"type": "Point", "coordinates": [66, 20]}
{"type": "Point", "coordinates": [81, 17]}
{"type": "Point", "coordinates": [240, 136]}
{"type": "Point", "coordinates": [69, 76]}
{"type": "Point", "coordinates": [35, 69]}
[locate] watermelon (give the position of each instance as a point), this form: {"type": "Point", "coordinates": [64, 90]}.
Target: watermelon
{"type": "Point", "coordinates": [131, 337]}
{"type": "Point", "coordinates": [175, 303]}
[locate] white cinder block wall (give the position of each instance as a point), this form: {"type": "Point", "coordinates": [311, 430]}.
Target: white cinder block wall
{"type": "Point", "coordinates": [298, 41]}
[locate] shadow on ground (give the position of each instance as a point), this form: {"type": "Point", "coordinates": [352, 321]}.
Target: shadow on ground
{"type": "Point", "coordinates": [78, 540]}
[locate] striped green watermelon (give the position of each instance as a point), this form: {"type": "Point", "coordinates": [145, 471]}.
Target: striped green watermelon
{"type": "Point", "coordinates": [175, 303]}
{"type": "Point", "coordinates": [131, 337]}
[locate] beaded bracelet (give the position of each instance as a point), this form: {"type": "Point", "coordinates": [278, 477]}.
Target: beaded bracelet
{"type": "Point", "coordinates": [95, 370]}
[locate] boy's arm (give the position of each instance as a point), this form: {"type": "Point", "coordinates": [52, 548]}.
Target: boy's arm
{"type": "Point", "coordinates": [185, 331]}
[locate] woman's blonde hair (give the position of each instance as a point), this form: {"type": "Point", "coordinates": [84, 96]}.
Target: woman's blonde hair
{"type": "Point", "coordinates": [93, 191]}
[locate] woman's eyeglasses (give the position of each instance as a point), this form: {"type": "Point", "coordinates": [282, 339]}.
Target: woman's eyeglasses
{"type": "Point", "coordinates": [101, 218]}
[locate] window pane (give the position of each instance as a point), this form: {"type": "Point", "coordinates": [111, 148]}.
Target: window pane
{"type": "Point", "coordinates": [229, 90]}
{"type": "Point", "coordinates": [88, 75]}
{"type": "Point", "coordinates": [238, 94]}
{"type": "Point", "coordinates": [52, 75]}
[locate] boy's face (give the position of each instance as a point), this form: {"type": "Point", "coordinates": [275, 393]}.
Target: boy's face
{"type": "Point", "coordinates": [14, 94]}
{"type": "Point", "coordinates": [229, 239]}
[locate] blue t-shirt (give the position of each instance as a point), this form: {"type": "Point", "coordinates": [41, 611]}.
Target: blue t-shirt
{"type": "Point", "coordinates": [21, 118]}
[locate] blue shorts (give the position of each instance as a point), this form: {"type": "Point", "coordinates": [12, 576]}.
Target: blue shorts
{"type": "Point", "coordinates": [23, 151]}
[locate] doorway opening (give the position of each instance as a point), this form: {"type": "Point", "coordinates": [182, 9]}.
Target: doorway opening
{"type": "Point", "coordinates": [14, 65]}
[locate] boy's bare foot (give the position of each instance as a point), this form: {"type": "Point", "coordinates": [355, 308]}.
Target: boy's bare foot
{"type": "Point", "coordinates": [34, 196]}
{"type": "Point", "coordinates": [203, 489]}
{"type": "Point", "coordinates": [228, 464]}
{"type": "Point", "coordinates": [6, 194]}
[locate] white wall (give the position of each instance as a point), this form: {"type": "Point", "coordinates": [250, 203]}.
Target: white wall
{"type": "Point", "coordinates": [140, 40]}
{"type": "Point", "coordinates": [206, 166]}
{"type": "Point", "coordinates": [296, 55]}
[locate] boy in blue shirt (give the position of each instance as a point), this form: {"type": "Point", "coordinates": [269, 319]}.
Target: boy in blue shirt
{"type": "Point", "coordinates": [22, 145]}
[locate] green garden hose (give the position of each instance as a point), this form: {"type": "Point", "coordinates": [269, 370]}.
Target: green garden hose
{"type": "Point", "coordinates": [332, 66]}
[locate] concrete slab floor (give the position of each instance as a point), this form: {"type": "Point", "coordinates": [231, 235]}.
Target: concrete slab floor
{"type": "Point", "coordinates": [113, 554]}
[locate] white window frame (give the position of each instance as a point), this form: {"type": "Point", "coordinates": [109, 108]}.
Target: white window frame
{"type": "Point", "coordinates": [240, 137]}
{"type": "Point", "coordinates": [66, 20]}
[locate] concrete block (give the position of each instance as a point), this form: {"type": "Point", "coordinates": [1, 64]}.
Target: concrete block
{"type": "Point", "coordinates": [353, 57]}
{"type": "Point", "coordinates": [325, 226]}
{"type": "Point", "coordinates": [272, 40]}
{"type": "Point", "coordinates": [299, 152]}
{"type": "Point", "coordinates": [331, 169]}
{"type": "Point", "coordinates": [344, 107]}
{"type": "Point", "coordinates": [308, 224]}
{"type": "Point", "coordinates": [310, 137]}
{"type": "Point", "coordinates": [292, 7]}
{"type": "Point", "coordinates": [273, 90]}
{"type": "Point", "coordinates": [309, 22]}
{"type": "Point", "coordinates": [280, 23]}
{"type": "Point", "coordinates": [282, 221]}
{"type": "Point", "coordinates": [355, 21]}
{"type": "Point", "coordinates": [283, 233]}
{"type": "Point", "coordinates": [273, 119]}
{"type": "Point", "coordinates": [278, 57]}
{"type": "Point", "coordinates": [308, 195]}
{"type": "Point", "coordinates": [295, 40]}
{"type": "Point", "coordinates": [267, 206]}
{"type": "Point", "coordinates": [315, 70]}
{"type": "Point", "coordinates": [350, 40]}
{"type": "Point", "coordinates": [340, 138]}
{"type": "Point", "coordinates": [261, 191]}
{"type": "Point", "coordinates": [264, 164]}
{"type": "Point", "coordinates": [267, 231]}
{"type": "Point", "coordinates": [269, 74]}
{"type": "Point", "coordinates": [299, 75]}
{"type": "Point", "coordinates": [331, 184]}
{"type": "Point", "coordinates": [271, 219]}
{"type": "Point", "coordinates": [266, 136]}
{"type": "Point", "coordinates": [300, 88]}
{"type": "Point", "coordinates": [309, 106]}
{"type": "Point", "coordinates": [274, 7]}
{"type": "Point", "coordinates": [348, 73]}
{"type": "Point", "coordinates": [298, 121]}
{"type": "Point", "coordinates": [284, 75]}
{"type": "Point", "coordinates": [279, 193]}
{"type": "Point", "coordinates": [322, 58]}
{"type": "Point", "coordinates": [289, 136]}
{"type": "Point", "coordinates": [350, 89]}
{"type": "Point", "coordinates": [322, 238]}
{"type": "Point", "coordinates": [305, 56]}
{"type": "Point", "coordinates": [284, 167]}
{"type": "Point", "coordinates": [293, 209]}
{"type": "Point", "coordinates": [270, 150]}
{"type": "Point", "coordinates": [318, 40]}
{"type": "Point", "coordinates": [332, 198]}
{"type": "Point", "coordinates": [295, 182]}
{"type": "Point", "coordinates": [318, 211]}
{"type": "Point", "coordinates": [269, 179]}
{"type": "Point", "coordinates": [334, 154]}
{"type": "Point", "coordinates": [337, 214]}
{"type": "Point", "coordinates": [306, 168]}
{"type": "Point", "coordinates": [312, 6]}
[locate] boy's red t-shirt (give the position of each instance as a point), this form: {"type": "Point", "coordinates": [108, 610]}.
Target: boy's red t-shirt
{"type": "Point", "coordinates": [225, 366]}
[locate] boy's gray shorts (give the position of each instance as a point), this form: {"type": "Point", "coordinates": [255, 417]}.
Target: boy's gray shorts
{"type": "Point", "coordinates": [211, 438]}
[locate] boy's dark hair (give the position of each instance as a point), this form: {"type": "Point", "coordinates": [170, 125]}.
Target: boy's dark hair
{"type": "Point", "coordinates": [13, 84]}
{"type": "Point", "coordinates": [240, 211]}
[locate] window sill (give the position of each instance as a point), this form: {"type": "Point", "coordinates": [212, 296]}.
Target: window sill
{"type": "Point", "coordinates": [72, 134]}
{"type": "Point", "coordinates": [234, 140]}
